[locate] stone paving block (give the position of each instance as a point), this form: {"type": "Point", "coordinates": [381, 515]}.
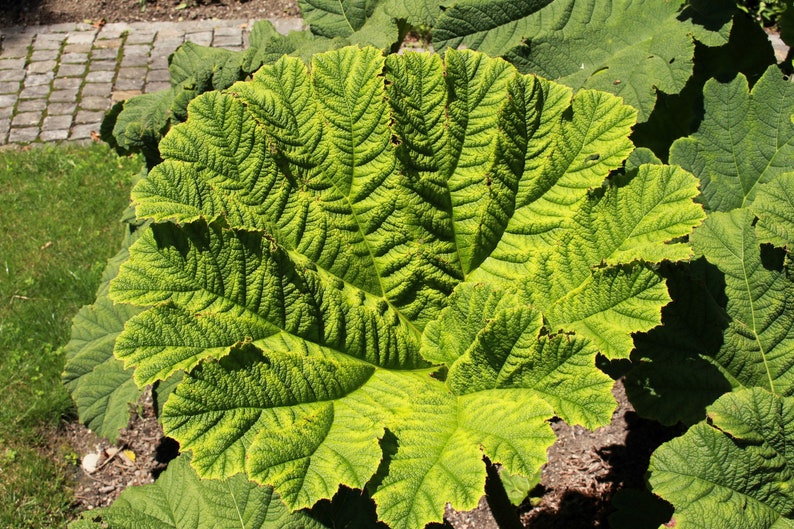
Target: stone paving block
{"type": "Point", "coordinates": [61, 109]}
{"type": "Point", "coordinates": [35, 92]}
{"type": "Point", "coordinates": [159, 58]}
{"type": "Point", "coordinates": [104, 65]}
{"type": "Point", "coordinates": [136, 49]}
{"type": "Point", "coordinates": [84, 117]}
{"type": "Point", "coordinates": [71, 70]}
{"type": "Point", "coordinates": [6, 112]}
{"type": "Point", "coordinates": [9, 87]}
{"type": "Point", "coordinates": [107, 44]}
{"type": "Point", "coordinates": [12, 76]}
{"type": "Point", "coordinates": [27, 119]}
{"type": "Point", "coordinates": [129, 84]}
{"type": "Point", "coordinates": [227, 42]}
{"type": "Point", "coordinates": [32, 105]}
{"type": "Point", "coordinates": [15, 53]}
{"type": "Point", "coordinates": [204, 38]}
{"type": "Point", "coordinates": [74, 58]}
{"type": "Point", "coordinates": [159, 75]}
{"type": "Point", "coordinates": [100, 77]}
{"type": "Point", "coordinates": [133, 61]}
{"type": "Point", "coordinates": [48, 41]}
{"type": "Point", "coordinates": [156, 86]}
{"type": "Point", "coordinates": [167, 38]}
{"type": "Point", "coordinates": [163, 51]}
{"type": "Point", "coordinates": [132, 73]}
{"type": "Point", "coordinates": [63, 96]}
{"type": "Point", "coordinates": [113, 31]}
{"type": "Point", "coordinates": [42, 67]}
{"type": "Point", "coordinates": [82, 132]}
{"type": "Point", "coordinates": [44, 55]}
{"type": "Point", "coordinates": [158, 26]}
{"type": "Point", "coordinates": [96, 90]}
{"type": "Point", "coordinates": [16, 65]}
{"type": "Point", "coordinates": [81, 37]}
{"type": "Point", "coordinates": [17, 41]}
{"type": "Point", "coordinates": [25, 135]}
{"type": "Point", "coordinates": [39, 79]}
{"type": "Point", "coordinates": [158, 63]}
{"type": "Point", "coordinates": [54, 135]}
{"type": "Point", "coordinates": [77, 48]}
{"type": "Point", "coordinates": [104, 53]}
{"type": "Point", "coordinates": [57, 123]}
{"type": "Point", "coordinates": [229, 30]}
{"type": "Point", "coordinates": [285, 25]}
{"type": "Point", "coordinates": [65, 83]}
{"type": "Point", "coordinates": [8, 101]}
{"type": "Point", "coordinates": [140, 37]}
{"type": "Point", "coordinates": [172, 31]}
{"type": "Point", "coordinates": [68, 27]}
{"type": "Point", "coordinates": [94, 103]}
{"type": "Point", "coordinates": [5, 126]}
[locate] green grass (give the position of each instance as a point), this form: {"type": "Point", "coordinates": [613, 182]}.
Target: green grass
{"type": "Point", "coordinates": [59, 223]}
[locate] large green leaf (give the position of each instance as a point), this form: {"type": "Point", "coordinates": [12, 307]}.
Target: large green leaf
{"type": "Point", "coordinates": [730, 324]}
{"type": "Point", "coordinates": [568, 280]}
{"type": "Point", "coordinates": [759, 339]}
{"type": "Point", "coordinates": [774, 206]}
{"type": "Point", "coordinates": [323, 234]}
{"type": "Point", "coordinates": [736, 470]}
{"type": "Point", "coordinates": [631, 48]}
{"type": "Point", "coordinates": [138, 124]}
{"type": "Point", "coordinates": [418, 13]}
{"type": "Point", "coordinates": [490, 340]}
{"type": "Point", "coordinates": [179, 499]}
{"type": "Point", "coordinates": [748, 51]}
{"type": "Point", "coordinates": [360, 21]}
{"type": "Point", "coordinates": [490, 26]}
{"type": "Point", "coordinates": [746, 139]}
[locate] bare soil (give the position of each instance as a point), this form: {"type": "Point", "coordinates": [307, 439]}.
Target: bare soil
{"type": "Point", "coordinates": [41, 12]}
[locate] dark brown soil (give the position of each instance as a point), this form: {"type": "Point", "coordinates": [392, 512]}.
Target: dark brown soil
{"type": "Point", "coordinates": [37, 12]}
{"type": "Point", "coordinates": [137, 458]}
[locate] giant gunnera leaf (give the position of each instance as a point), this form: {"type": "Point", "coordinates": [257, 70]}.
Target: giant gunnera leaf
{"type": "Point", "coordinates": [746, 139]}
{"type": "Point", "coordinates": [734, 470]}
{"type": "Point", "coordinates": [179, 499]}
{"type": "Point", "coordinates": [731, 325]}
{"type": "Point", "coordinates": [631, 48]}
{"type": "Point", "coordinates": [425, 250]}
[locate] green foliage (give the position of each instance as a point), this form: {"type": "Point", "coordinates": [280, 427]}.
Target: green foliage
{"type": "Point", "coordinates": [733, 465]}
{"type": "Point", "coordinates": [180, 499]}
{"type": "Point", "coordinates": [324, 239]}
{"type": "Point", "coordinates": [376, 272]}
{"type": "Point", "coordinates": [358, 21]}
{"type": "Point", "coordinates": [731, 317]}
{"type": "Point", "coordinates": [640, 50]}
{"type": "Point", "coordinates": [747, 139]}
{"type": "Point", "coordinates": [631, 48]}
{"type": "Point", "coordinates": [765, 13]}
{"type": "Point", "coordinates": [734, 470]}
{"type": "Point", "coordinates": [138, 124]}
